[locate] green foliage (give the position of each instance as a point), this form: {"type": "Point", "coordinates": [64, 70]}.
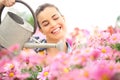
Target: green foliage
{"type": "Point", "coordinates": [117, 59]}
{"type": "Point", "coordinates": [33, 72]}
{"type": "Point", "coordinates": [116, 46]}
{"type": "Point", "coordinates": [76, 66]}
{"type": "Point", "coordinates": [39, 68]}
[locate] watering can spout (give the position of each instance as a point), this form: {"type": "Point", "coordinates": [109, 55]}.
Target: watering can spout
{"type": "Point", "coordinates": [59, 45]}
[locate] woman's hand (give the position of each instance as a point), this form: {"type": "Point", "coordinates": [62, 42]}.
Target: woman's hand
{"type": "Point", "coordinates": [6, 3]}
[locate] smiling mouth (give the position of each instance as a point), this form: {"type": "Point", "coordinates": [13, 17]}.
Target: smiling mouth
{"type": "Point", "coordinates": [56, 30]}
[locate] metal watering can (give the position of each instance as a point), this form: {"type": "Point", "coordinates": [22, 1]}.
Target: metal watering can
{"type": "Point", "coordinates": [15, 30]}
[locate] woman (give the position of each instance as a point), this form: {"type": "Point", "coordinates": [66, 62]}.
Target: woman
{"type": "Point", "coordinates": [52, 24]}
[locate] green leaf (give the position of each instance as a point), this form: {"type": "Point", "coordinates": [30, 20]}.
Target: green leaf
{"type": "Point", "coordinates": [24, 70]}
{"type": "Point", "coordinates": [39, 68]}
{"type": "Point", "coordinates": [117, 46]}
{"type": "Point", "coordinates": [118, 60]}
{"type": "Point", "coordinates": [76, 66]}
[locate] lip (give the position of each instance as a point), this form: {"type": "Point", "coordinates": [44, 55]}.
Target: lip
{"type": "Point", "coordinates": [56, 30]}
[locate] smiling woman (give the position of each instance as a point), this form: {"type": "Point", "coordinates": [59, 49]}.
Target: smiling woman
{"type": "Point", "coordinates": [52, 24]}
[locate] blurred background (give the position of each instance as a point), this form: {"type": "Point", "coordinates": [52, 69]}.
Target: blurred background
{"type": "Point", "coordinates": [85, 14]}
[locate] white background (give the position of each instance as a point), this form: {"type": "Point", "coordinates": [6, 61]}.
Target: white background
{"type": "Point", "coordinates": [85, 14]}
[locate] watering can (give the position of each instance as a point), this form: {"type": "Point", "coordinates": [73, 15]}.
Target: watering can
{"type": "Point", "coordinates": [15, 30]}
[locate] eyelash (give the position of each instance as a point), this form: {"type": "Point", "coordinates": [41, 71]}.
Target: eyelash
{"type": "Point", "coordinates": [46, 24]}
{"type": "Point", "coordinates": [56, 18]}
{"type": "Point", "coordinates": [53, 19]}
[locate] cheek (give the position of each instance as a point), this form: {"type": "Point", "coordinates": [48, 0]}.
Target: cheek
{"type": "Point", "coordinates": [64, 27]}
{"type": "Point", "coordinates": [46, 31]}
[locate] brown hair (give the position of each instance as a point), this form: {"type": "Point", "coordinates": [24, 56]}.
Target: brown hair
{"type": "Point", "coordinates": [42, 7]}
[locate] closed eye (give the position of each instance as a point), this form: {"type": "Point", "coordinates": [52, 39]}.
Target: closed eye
{"type": "Point", "coordinates": [55, 17]}
{"type": "Point", "coordinates": [45, 23]}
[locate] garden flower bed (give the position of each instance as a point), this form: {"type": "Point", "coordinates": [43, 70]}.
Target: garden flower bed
{"type": "Point", "coordinates": [93, 57]}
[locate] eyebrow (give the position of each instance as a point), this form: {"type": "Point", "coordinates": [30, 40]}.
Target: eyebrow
{"type": "Point", "coordinates": [53, 15]}
{"type": "Point", "coordinates": [44, 21]}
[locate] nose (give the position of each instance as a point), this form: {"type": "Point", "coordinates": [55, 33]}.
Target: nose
{"type": "Point", "coordinates": [53, 23]}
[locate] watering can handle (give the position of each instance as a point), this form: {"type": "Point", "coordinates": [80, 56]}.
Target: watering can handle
{"type": "Point", "coordinates": [20, 1]}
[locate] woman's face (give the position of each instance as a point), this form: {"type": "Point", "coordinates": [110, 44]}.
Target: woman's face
{"type": "Point", "coordinates": [52, 24]}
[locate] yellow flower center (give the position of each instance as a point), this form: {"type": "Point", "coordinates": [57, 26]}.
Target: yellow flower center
{"type": "Point", "coordinates": [87, 50]}
{"type": "Point", "coordinates": [111, 67]}
{"type": "Point", "coordinates": [45, 73]}
{"type": "Point", "coordinates": [99, 35]}
{"type": "Point", "coordinates": [114, 38]}
{"type": "Point", "coordinates": [86, 74]}
{"type": "Point", "coordinates": [11, 74]}
{"type": "Point", "coordinates": [11, 66]}
{"type": "Point", "coordinates": [92, 57]}
{"type": "Point", "coordinates": [83, 59]}
{"type": "Point", "coordinates": [105, 77]}
{"type": "Point", "coordinates": [66, 70]}
{"type": "Point", "coordinates": [75, 59]}
{"type": "Point", "coordinates": [103, 50]}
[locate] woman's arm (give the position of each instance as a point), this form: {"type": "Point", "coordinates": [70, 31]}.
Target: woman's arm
{"type": "Point", "coordinates": [1, 5]}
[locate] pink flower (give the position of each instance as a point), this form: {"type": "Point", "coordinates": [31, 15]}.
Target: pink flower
{"type": "Point", "coordinates": [4, 52]}
{"type": "Point", "coordinates": [102, 71]}
{"type": "Point", "coordinates": [94, 55]}
{"type": "Point", "coordinates": [44, 74]}
{"type": "Point", "coordinates": [14, 48]}
{"type": "Point", "coordinates": [114, 38]}
{"type": "Point", "coordinates": [72, 75]}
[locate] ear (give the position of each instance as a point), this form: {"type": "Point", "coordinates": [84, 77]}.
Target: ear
{"type": "Point", "coordinates": [63, 17]}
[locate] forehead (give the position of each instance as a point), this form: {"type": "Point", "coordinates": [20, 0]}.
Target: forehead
{"type": "Point", "coordinates": [47, 13]}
